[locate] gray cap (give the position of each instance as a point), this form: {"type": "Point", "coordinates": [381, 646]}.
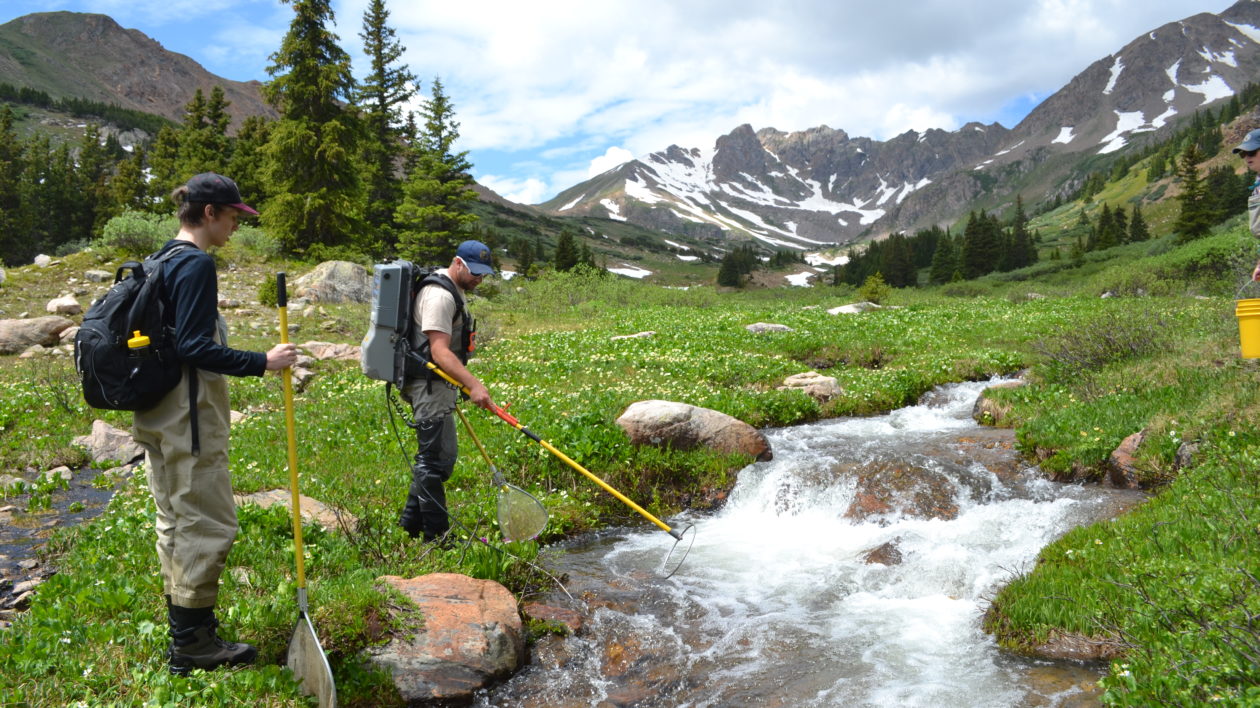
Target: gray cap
{"type": "Point", "coordinates": [1249, 143]}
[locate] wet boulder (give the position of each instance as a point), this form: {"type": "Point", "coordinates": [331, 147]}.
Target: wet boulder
{"type": "Point", "coordinates": [885, 554]}
{"type": "Point", "coordinates": [472, 636]}
{"type": "Point", "coordinates": [897, 488]}
{"type": "Point", "coordinates": [335, 281]}
{"type": "Point", "coordinates": [1122, 469]}
{"type": "Point", "coordinates": [685, 427]}
{"type": "Point", "coordinates": [17, 335]}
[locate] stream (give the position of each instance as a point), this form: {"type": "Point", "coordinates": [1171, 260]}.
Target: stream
{"type": "Point", "coordinates": [853, 569]}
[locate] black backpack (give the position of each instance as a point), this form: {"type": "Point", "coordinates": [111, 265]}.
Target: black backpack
{"type": "Point", "coordinates": [114, 375]}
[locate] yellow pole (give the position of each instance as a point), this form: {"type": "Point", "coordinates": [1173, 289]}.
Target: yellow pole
{"type": "Point", "coordinates": [286, 375]}
{"type": "Point", "coordinates": [512, 421]}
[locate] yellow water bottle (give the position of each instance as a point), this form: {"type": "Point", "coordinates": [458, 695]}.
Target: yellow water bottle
{"type": "Point", "coordinates": [138, 345]}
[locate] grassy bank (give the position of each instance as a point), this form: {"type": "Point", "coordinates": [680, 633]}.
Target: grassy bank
{"type": "Point", "coordinates": [1100, 369]}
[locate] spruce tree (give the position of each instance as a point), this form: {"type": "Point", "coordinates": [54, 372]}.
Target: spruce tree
{"type": "Point", "coordinates": [387, 87]}
{"type": "Point", "coordinates": [311, 169]}
{"type": "Point", "coordinates": [165, 170]}
{"type": "Point", "coordinates": [203, 140]}
{"type": "Point", "coordinates": [1194, 219]}
{"type": "Point", "coordinates": [1137, 226]}
{"type": "Point", "coordinates": [729, 274]}
{"type": "Point", "coordinates": [249, 159]}
{"type": "Point", "coordinates": [89, 179]}
{"type": "Point", "coordinates": [981, 249]}
{"type": "Point", "coordinates": [436, 210]}
{"type": "Point", "coordinates": [128, 190]}
{"type": "Point", "coordinates": [12, 229]}
{"type": "Point", "coordinates": [566, 252]}
{"type": "Point", "coordinates": [944, 261]}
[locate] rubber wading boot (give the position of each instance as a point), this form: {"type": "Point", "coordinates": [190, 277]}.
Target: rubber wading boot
{"type": "Point", "coordinates": [195, 643]}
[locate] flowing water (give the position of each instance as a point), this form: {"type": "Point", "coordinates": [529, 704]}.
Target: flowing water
{"type": "Point", "coordinates": [778, 603]}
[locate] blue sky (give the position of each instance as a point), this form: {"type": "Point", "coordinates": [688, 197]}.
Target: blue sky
{"type": "Point", "coordinates": [551, 93]}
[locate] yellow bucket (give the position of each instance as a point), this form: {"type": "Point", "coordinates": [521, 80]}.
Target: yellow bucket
{"type": "Point", "coordinates": [1248, 312]}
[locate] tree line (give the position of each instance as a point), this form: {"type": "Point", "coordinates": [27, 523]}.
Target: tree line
{"type": "Point", "coordinates": [343, 172]}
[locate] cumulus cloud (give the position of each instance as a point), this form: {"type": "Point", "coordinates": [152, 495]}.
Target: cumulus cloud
{"type": "Point", "coordinates": [611, 158]}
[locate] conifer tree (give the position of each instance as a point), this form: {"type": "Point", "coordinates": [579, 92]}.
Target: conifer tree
{"type": "Point", "coordinates": [981, 249]}
{"type": "Point", "coordinates": [128, 189]}
{"type": "Point", "coordinates": [944, 261]}
{"type": "Point", "coordinates": [436, 210]}
{"type": "Point", "coordinates": [1137, 226]}
{"type": "Point", "coordinates": [387, 87]}
{"type": "Point", "coordinates": [311, 173]}
{"type": "Point", "coordinates": [566, 252]}
{"type": "Point", "coordinates": [1194, 219]}
{"type": "Point", "coordinates": [11, 168]}
{"type": "Point", "coordinates": [203, 140]}
{"type": "Point", "coordinates": [89, 175]}
{"type": "Point", "coordinates": [249, 159]}
{"type": "Point", "coordinates": [729, 273]}
{"type": "Point", "coordinates": [164, 169]}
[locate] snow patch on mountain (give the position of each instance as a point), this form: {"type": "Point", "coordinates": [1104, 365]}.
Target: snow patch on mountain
{"type": "Point", "coordinates": [1116, 68]}
{"type": "Point", "coordinates": [614, 210]}
{"type": "Point", "coordinates": [1249, 31]}
{"type": "Point", "coordinates": [1065, 135]}
{"type": "Point", "coordinates": [1125, 123]}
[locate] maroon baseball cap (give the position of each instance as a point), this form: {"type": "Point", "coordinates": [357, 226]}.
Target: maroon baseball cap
{"type": "Point", "coordinates": [211, 188]}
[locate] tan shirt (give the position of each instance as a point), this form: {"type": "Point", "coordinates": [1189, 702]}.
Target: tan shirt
{"type": "Point", "coordinates": [435, 310]}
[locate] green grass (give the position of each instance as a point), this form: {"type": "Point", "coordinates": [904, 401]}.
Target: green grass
{"type": "Point", "coordinates": [1100, 369]}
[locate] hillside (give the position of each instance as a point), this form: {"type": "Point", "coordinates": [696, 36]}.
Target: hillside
{"type": "Point", "coordinates": [76, 55]}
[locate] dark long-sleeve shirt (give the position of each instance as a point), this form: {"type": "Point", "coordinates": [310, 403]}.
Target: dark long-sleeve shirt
{"type": "Point", "coordinates": [191, 284]}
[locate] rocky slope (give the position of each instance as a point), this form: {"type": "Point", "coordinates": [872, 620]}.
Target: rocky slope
{"type": "Point", "coordinates": [77, 55]}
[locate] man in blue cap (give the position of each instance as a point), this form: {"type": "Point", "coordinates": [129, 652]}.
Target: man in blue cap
{"type": "Point", "coordinates": [1247, 150]}
{"type": "Point", "coordinates": [444, 335]}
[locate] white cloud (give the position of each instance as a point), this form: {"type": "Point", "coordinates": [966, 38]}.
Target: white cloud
{"type": "Point", "coordinates": [522, 191]}
{"type": "Point", "coordinates": [613, 157]}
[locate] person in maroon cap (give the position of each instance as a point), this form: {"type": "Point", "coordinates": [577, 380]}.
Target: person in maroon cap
{"type": "Point", "coordinates": [1247, 150]}
{"type": "Point", "coordinates": [186, 442]}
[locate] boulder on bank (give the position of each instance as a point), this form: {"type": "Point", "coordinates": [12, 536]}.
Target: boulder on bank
{"type": "Point", "coordinates": [855, 308]}
{"type": "Point", "coordinates": [763, 327]}
{"type": "Point", "coordinates": [472, 637]}
{"type": "Point", "coordinates": [987, 411]}
{"type": "Point", "coordinates": [335, 281]}
{"type": "Point", "coordinates": [821, 388]}
{"type": "Point", "coordinates": [17, 335]}
{"type": "Point", "coordinates": [64, 305]}
{"type": "Point", "coordinates": [109, 443]}
{"type": "Point", "coordinates": [685, 427]}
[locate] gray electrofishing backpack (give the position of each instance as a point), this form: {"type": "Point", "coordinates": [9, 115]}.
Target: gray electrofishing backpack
{"type": "Point", "coordinates": [387, 353]}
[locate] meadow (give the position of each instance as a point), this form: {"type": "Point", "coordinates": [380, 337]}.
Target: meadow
{"type": "Point", "coordinates": [1175, 580]}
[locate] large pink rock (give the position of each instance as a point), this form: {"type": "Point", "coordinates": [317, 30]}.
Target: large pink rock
{"type": "Point", "coordinates": [684, 427]}
{"type": "Point", "coordinates": [472, 637]}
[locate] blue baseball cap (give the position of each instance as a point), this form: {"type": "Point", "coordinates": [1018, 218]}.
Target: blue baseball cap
{"type": "Point", "coordinates": [1249, 143]}
{"type": "Point", "coordinates": [475, 255]}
